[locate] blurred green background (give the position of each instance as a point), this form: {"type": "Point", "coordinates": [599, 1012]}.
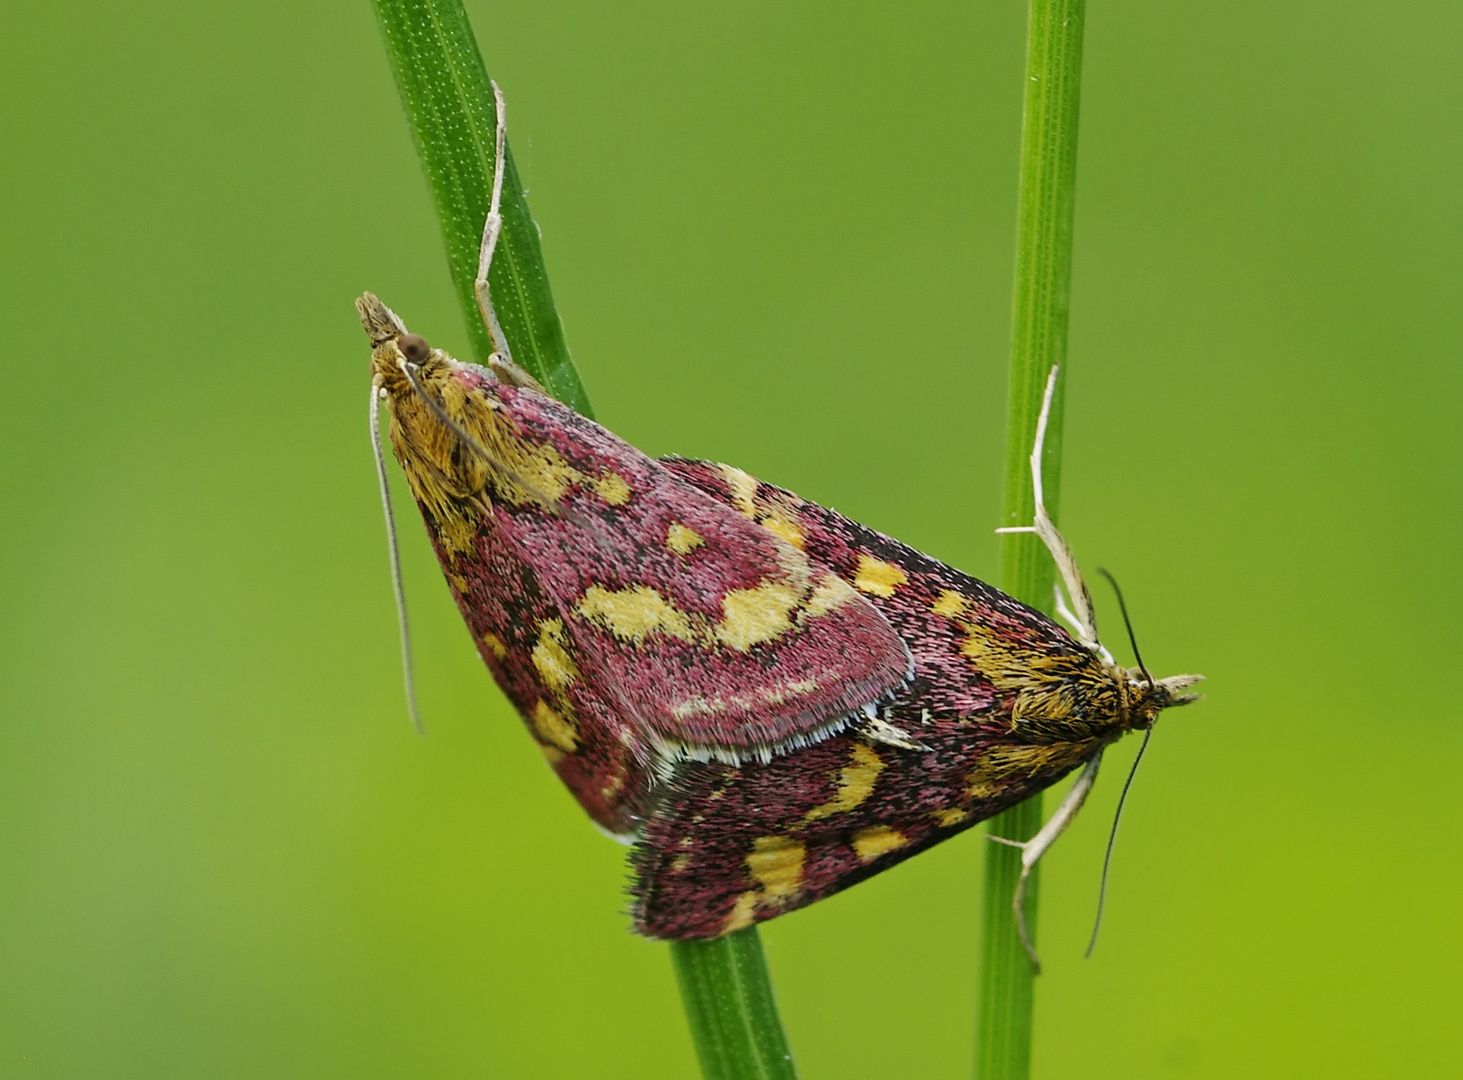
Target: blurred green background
{"type": "Point", "coordinates": [779, 236]}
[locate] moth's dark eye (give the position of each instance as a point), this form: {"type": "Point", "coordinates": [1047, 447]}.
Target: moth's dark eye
{"type": "Point", "coordinates": [414, 348]}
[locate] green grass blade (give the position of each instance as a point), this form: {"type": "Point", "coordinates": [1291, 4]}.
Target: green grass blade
{"type": "Point", "coordinates": [731, 1010]}
{"type": "Point", "coordinates": [1038, 340]}
{"type": "Point", "coordinates": [449, 108]}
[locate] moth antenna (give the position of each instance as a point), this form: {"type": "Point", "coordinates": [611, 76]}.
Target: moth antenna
{"type": "Point", "coordinates": [1112, 838]}
{"type": "Point", "coordinates": [1132, 637]}
{"type": "Point", "coordinates": [492, 228]}
{"type": "Point", "coordinates": [396, 582]}
{"type": "Point", "coordinates": [1061, 610]}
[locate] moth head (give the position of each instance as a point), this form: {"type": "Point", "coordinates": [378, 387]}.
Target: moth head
{"type": "Point", "coordinates": [1144, 695]}
{"type": "Point", "coordinates": [393, 348]}
{"type": "Point", "coordinates": [1151, 696]}
{"type": "Point", "coordinates": [448, 417]}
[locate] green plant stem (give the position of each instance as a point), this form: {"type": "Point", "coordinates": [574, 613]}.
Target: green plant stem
{"type": "Point", "coordinates": [1038, 341]}
{"type": "Point", "coordinates": [730, 1008]}
{"type": "Point", "coordinates": [449, 107]}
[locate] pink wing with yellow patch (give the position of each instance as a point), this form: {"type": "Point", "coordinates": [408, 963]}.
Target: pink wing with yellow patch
{"type": "Point", "coordinates": [727, 846]}
{"type": "Point", "coordinates": [708, 635]}
{"type": "Point", "coordinates": [522, 636]}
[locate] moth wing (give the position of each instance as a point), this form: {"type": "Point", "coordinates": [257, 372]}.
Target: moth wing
{"type": "Point", "coordinates": [714, 635]}
{"type": "Point", "coordinates": [522, 638]}
{"type": "Point", "coordinates": [731, 846]}
{"type": "Point", "coordinates": [959, 630]}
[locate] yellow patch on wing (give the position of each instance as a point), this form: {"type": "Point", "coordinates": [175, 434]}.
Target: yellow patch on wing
{"type": "Point", "coordinates": [776, 863]}
{"type": "Point", "coordinates": [855, 782]}
{"type": "Point", "coordinates": [553, 729]}
{"type": "Point", "coordinates": [552, 754]}
{"type": "Point", "coordinates": [682, 539]}
{"type": "Point", "coordinates": [680, 862]}
{"type": "Point", "coordinates": [830, 594]}
{"type": "Point", "coordinates": [741, 916]}
{"type": "Point", "coordinates": [743, 489]}
{"type": "Point", "coordinates": [613, 489]}
{"type": "Point", "coordinates": [876, 840]}
{"type": "Point", "coordinates": [494, 644]}
{"type": "Point", "coordinates": [949, 816]}
{"type": "Point", "coordinates": [523, 471]}
{"type": "Point", "coordinates": [950, 604]}
{"type": "Point", "coordinates": [633, 614]}
{"type": "Point", "coordinates": [555, 667]}
{"type": "Point", "coordinates": [752, 616]}
{"type": "Point", "coordinates": [615, 786]}
{"type": "Point", "coordinates": [877, 577]}
{"type": "Point", "coordinates": [785, 528]}
{"type": "Point", "coordinates": [981, 785]}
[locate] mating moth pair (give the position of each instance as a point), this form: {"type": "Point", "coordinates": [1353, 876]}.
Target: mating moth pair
{"type": "Point", "coordinates": [770, 701]}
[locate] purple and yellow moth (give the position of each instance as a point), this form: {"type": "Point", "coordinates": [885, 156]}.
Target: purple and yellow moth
{"type": "Point", "coordinates": [1003, 703]}
{"type": "Point", "coordinates": [771, 701]}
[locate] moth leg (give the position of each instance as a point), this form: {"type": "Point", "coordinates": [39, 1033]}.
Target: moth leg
{"type": "Point", "coordinates": [492, 228]}
{"type": "Point", "coordinates": [1062, 611]}
{"type": "Point", "coordinates": [1065, 613]}
{"type": "Point", "coordinates": [1043, 527]}
{"type": "Point", "coordinates": [1032, 850]}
